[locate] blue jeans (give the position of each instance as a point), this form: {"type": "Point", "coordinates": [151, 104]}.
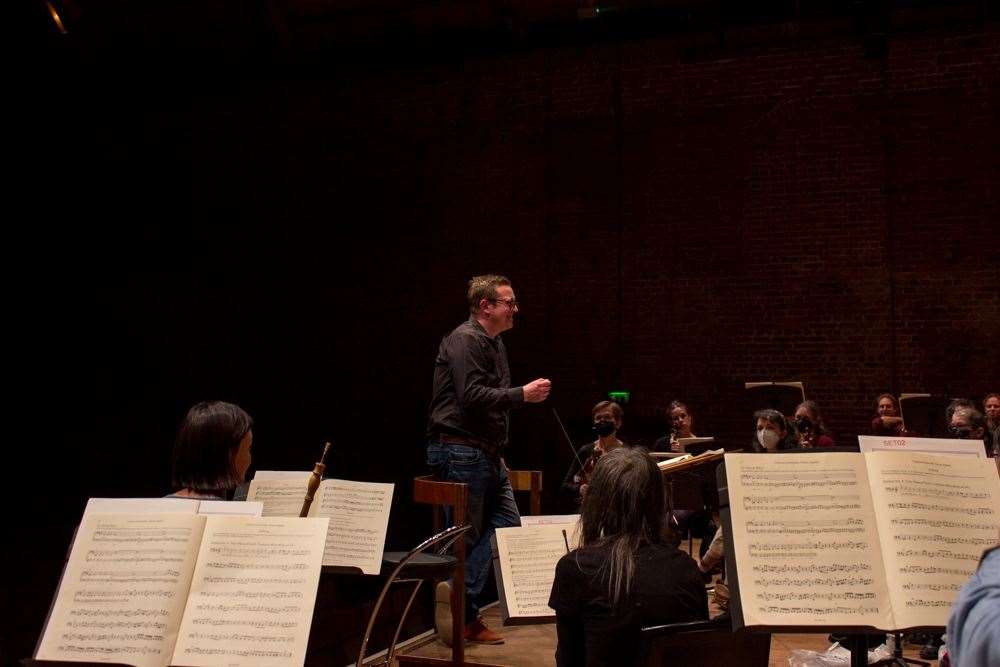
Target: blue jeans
{"type": "Point", "coordinates": [491, 506]}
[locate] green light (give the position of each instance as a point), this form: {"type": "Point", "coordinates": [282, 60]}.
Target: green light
{"type": "Point", "coordinates": [619, 396]}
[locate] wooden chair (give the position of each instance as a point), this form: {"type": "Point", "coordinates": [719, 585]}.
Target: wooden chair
{"type": "Point", "coordinates": [530, 481]}
{"type": "Point", "coordinates": [455, 495]}
{"type": "Point", "coordinates": [431, 491]}
{"type": "Point", "coordinates": [702, 644]}
{"type": "Point", "coordinates": [412, 567]}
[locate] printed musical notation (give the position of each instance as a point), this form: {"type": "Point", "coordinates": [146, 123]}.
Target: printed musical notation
{"type": "Point", "coordinates": [359, 518]}
{"type": "Point", "coordinates": [804, 534]}
{"type": "Point", "coordinates": [124, 589]}
{"type": "Point", "coordinates": [528, 556]}
{"type": "Point", "coordinates": [258, 609]}
{"type": "Point", "coordinates": [156, 600]}
{"type": "Point", "coordinates": [938, 514]}
{"type": "Point", "coordinates": [358, 514]}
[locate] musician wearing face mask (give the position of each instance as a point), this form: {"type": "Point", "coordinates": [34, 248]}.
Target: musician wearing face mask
{"type": "Point", "coordinates": [606, 422]}
{"type": "Point", "coordinates": [772, 432]}
{"type": "Point", "coordinates": [809, 426]}
{"type": "Point", "coordinates": [969, 424]}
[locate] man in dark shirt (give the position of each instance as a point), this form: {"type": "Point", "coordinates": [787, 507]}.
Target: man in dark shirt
{"type": "Point", "coordinates": [467, 433]}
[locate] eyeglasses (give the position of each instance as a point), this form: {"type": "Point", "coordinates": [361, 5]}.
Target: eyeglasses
{"type": "Point", "coordinates": [510, 303]}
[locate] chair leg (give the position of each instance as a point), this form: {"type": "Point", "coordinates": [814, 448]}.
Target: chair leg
{"type": "Point", "coordinates": [402, 619]}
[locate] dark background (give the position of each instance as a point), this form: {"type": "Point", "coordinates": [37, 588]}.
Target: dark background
{"type": "Point", "coordinates": [279, 204]}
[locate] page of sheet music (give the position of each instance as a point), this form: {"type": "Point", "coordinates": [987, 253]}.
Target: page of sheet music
{"type": "Point", "coordinates": [806, 544]}
{"type": "Point", "coordinates": [281, 496]}
{"type": "Point", "coordinates": [936, 515]}
{"type": "Point", "coordinates": [528, 557]}
{"type": "Point", "coordinates": [253, 592]}
{"type": "Point", "coordinates": [359, 518]}
{"type": "Point", "coordinates": [123, 589]}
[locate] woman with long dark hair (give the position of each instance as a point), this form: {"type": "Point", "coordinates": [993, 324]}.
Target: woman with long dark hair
{"type": "Point", "coordinates": [626, 573]}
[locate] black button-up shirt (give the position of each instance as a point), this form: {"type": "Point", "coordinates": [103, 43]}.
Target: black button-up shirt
{"type": "Point", "coordinates": [472, 395]}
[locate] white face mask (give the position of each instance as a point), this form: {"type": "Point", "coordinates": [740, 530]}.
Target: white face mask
{"type": "Point", "coordinates": [768, 439]}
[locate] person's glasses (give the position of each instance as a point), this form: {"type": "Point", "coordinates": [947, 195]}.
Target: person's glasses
{"type": "Point", "coordinates": [510, 303]}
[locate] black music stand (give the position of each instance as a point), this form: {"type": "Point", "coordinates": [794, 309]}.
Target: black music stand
{"type": "Point", "coordinates": [781, 396]}
{"type": "Point", "coordinates": [924, 414]}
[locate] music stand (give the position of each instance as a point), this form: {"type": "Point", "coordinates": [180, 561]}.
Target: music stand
{"type": "Point", "coordinates": [857, 642]}
{"type": "Point", "coordinates": [924, 414]}
{"type": "Point", "coordinates": [781, 396]}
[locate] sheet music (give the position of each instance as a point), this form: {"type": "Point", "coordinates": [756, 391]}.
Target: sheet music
{"type": "Point", "coordinates": [805, 540]}
{"type": "Point", "coordinates": [540, 519]}
{"type": "Point", "coordinates": [936, 515]}
{"type": "Point", "coordinates": [175, 505]}
{"type": "Point", "coordinates": [228, 508]}
{"type": "Point", "coordinates": [281, 496]}
{"type": "Point", "coordinates": [253, 592]}
{"type": "Point", "coordinates": [528, 557]}
{"type": "Point", "coordinates": [140, 506]}
{"type": "Point", "coordinates": [875, 443]}
{"type": "Point", "coordinates": [123, 589]}
{"type": "Point", "coordinates": [359, 518]}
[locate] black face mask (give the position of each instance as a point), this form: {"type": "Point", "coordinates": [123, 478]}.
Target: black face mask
{"type": "Point", "coordinates": [604, 428]}
{"type": "Point", "coordinates": [804, 424]}
{"type": "Point", "coordinates": [961, 433]}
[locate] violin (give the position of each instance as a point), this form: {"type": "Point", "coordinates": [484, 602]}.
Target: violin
{"type": "Point", "coordinates": [583, 477]}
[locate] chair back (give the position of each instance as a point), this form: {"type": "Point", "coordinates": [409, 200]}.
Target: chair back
{"type": "Point", "coordinates": [702, 644]}
{"type": "Point", "coordinates": [442, 541]}
{"type": "Point", "coordinates": [530, 481]}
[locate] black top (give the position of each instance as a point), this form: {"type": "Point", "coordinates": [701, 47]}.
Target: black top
{"type": "Point", "coordinates": [667, 588]}
{"type": "Point", "coordinates": [472, 392]}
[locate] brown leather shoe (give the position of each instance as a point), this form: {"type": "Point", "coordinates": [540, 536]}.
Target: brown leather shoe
{"type": "Point", "coordinates": [478, 632]}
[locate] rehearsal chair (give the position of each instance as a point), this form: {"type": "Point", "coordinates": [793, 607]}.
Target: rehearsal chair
{"type": "Point", "coordinates": [702, 644]}
{"type": "Point", "coordinates": [430, 491]}
{"type": "Point", "coordinates": [411, 567]}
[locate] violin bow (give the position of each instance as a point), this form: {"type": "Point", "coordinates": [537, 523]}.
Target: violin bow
{"type": "Point", "coordinates": [569, 441]}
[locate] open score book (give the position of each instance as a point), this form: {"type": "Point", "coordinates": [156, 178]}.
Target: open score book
{"type": "Point", "coordinates": [882, 540]}
{"type": "Point", "coordinates": [160, 589]}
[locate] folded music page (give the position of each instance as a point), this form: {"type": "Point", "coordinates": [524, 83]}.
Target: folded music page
{"type": "Point", "coordinates": [123, 590]}
{"type": "Point", "coordinates": [528, 557]}
{"type": "Point", "coordinates": [359, 519]}
{"type": "Point", "coordinates": [253, 592]}
{"type": "Point", "coordinates": [806, 542]}
{"type": "Point", "coordinates": [936, 516]}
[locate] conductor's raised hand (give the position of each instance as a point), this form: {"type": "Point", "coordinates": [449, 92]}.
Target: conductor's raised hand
{"type": "Point", "coordinates": [537, 391]}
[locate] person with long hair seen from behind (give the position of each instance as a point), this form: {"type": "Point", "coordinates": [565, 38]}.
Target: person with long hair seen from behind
{"type": "Point", "coordinates": [212, 451]}
{"type": "Point", "coordinates": [626, 572]}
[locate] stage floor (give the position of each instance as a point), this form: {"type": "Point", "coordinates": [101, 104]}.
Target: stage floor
{"type": "Point", "coordinates": [535, 645]}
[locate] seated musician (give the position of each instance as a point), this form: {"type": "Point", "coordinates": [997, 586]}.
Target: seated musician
{"type": "Point", "coordinates": [681, 425]}
{"type": "Point", "coordinates": [212, 451]}
{"type": "Point", "coordinates": [625, 573]}
{"type": "Point", "coordinates": [887, 421]}
{"type": "Point", "coordinates": [812, 432]}
{"type": "Point", "coordinates": [773, 432]}
{"type": "Point", "coordinates": [991, 408]}
{"type": "Point", "coordinates": [974, 623]}
{"type": "Point", "coordinates": [607, 421]}
{"type": "Point", "coordinates": [969, 424]}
